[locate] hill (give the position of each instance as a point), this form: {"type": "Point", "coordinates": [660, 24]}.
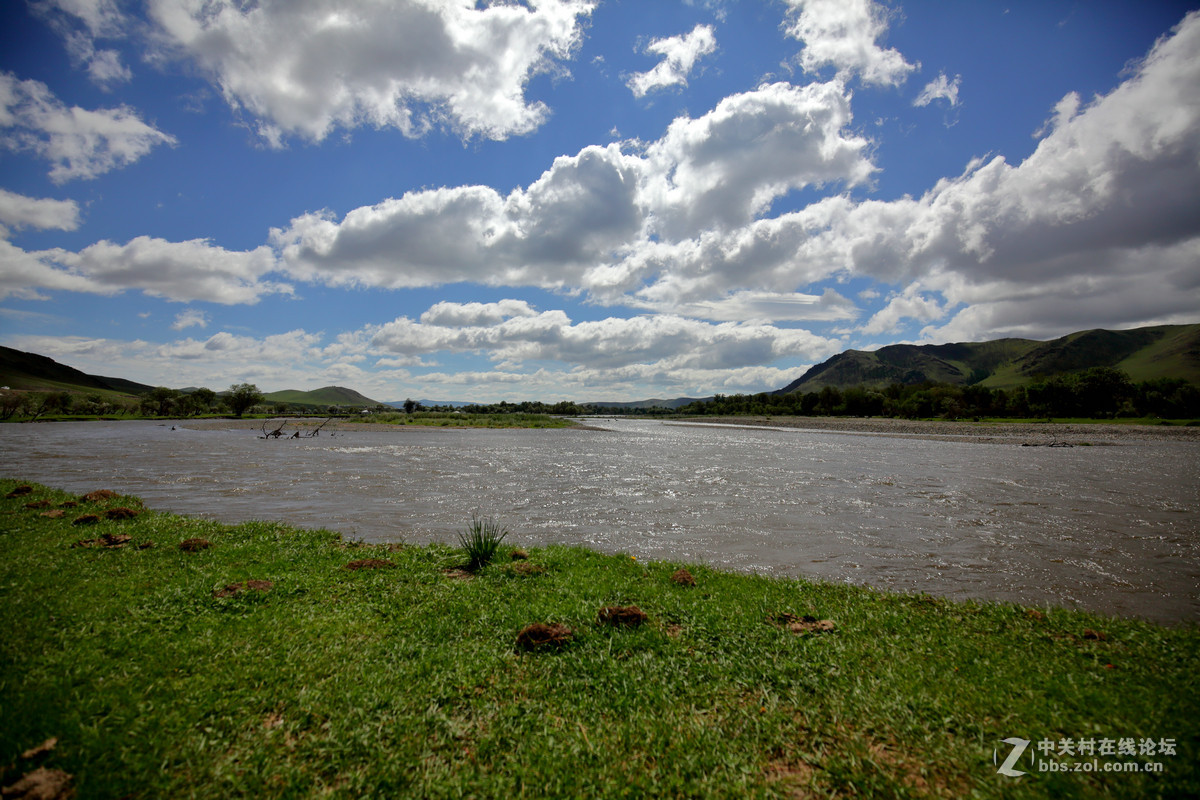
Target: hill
{"type": "Point", "coordinates": [32, 372]}
{"type": "Point", "coordinates": [325, 396]}
{"type": "Point", "coordinates": [1163, 351]}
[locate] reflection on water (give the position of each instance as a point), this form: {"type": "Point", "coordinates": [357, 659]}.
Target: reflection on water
{"type": "Point", "coordinates": [1111, 529]}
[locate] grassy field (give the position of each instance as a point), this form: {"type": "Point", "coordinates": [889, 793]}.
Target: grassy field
{"type": "Point", "coordinates": [278, 662]}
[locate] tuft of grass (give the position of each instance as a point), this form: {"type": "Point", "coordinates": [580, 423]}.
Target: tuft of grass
{"type": "Point", "coordinates": [481, 540]}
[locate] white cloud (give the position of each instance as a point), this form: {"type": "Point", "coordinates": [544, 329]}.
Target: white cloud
{"type": "Point", "coordinates": [940, 88]}
{"type": "Point", "coordinates": [306, 68]}
{"type": "Point", "coordinates": [912, 303]}
{"type": "Point", "coordinates": [844, 34]}
{"type": "Point", "coordinates": [79, 143]}
{"type": "Point", "coordinates": [679, 56]}
{"type": "Point", "coordinates": [190, 318]}
{"type": "Point", "coordinates": [665, 342]}
{"type": "Point", "coordinates": [180, 271]}
{"type": "Point", "coordinates": [754, 305]}
{"type": "Point", "coordinates": [80, 23]}
{"type": "Point", "coordinates": [586, 222]}
{"type": "Point", "coordinates": [19, 211]}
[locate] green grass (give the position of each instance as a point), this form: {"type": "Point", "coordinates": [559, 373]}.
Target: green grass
{"type": "Point", "coordinates": [405, 681]}
{"type": "Point", "coordinates": [458, 419]}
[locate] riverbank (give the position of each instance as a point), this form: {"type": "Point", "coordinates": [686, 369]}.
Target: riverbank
{"type": "Point", "coordinates": [153, 655]}
{"type": "Point", "coordinates": [1023, 433]}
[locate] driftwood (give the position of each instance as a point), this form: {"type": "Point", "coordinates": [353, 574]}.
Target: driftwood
{"type": "Point", "coordinates": [298, 434]}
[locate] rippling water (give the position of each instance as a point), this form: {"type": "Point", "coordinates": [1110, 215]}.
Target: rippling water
{"type": "Point", "coordinates": [1111, 529]}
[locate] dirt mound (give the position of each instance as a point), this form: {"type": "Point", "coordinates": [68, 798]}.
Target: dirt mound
{"type": "Point", "coordinates": [244, 586]}
{"type": "Point", "coordinates": [110, 541]}
{"type": "Point", "coordinates": [55, 514]}
{"type": "Point", "coordinates": [20, 491]}
{"type": "Point", "coordinates": [39, 504]}
{"type": "Point", "coordinates": [540, 636]}
{"type": "Point", "coordinates": [519, 554]}
{"type": "Point", "coordinates": [100, 495]}
{"type": "Point", "coordinates": [370, 563]}
{"type": "Point", "coordinates": [85, 519]}
{"type": "Point", "coordinates": [194, 545]}
{"type": "Point", "coordinates": [622, 616]}
{"type": "Point", "coordinates": [120, 512]}
{"type": "Point", "coordinates": [683, 578]}
{"type": "Point", "coordinates": [525, 568]}
{"type": "Point", "coordinates": [41, 784]}
{"type": "Point", "coordinates": [802, 625]}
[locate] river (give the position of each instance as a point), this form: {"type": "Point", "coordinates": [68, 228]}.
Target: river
{"type": "Point", "coordinates": [1112, 529]}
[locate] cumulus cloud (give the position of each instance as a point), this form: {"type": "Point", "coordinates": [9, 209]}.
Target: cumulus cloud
{"type": "Point", "coordinates": [587, 221]}
{"type": "Point", "coordinates": [19, 211]}
{"type": "Point", "coordinates": [81, 23]}
{"type": "Point", "coordinates": [180, 271]}
{"type": "Point", "coordinates": [844, 34]}
{"type": "Point", "coordinates": [512, 334]}
{"type": "Point", "coordinates": [306, 68]}
{"type": "Point", "coordinates": [80, 143]}
{"type": "Point", "coordinates": [679, 56]}
{"type": "Point", "coordinates": [191, 318]}
{"type": "Point", "coordinates": [940, 88]}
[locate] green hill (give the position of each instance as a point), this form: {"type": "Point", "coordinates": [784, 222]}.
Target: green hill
{"type": "Point", "coordinates": [32, 372]}
{"type": "Point", "coordinates": [326, 396]}
{"type": "Point", "coordinates": [1163, 351]}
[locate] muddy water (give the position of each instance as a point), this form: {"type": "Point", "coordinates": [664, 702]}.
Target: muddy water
{"type": "Point", "coordinates": [1113, 529]}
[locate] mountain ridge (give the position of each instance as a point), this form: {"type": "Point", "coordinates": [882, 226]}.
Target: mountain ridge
{"type": "Point", "coordinates": [1159, 351]}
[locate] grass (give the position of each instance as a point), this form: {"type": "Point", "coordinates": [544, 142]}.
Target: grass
{"type": "Point", "coordinates": [481, 541]}
{"type": "Point", "coordinates": [404, 681]}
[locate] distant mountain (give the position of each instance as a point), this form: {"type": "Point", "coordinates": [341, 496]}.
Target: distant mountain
{"type": "Point", "coordinates": [30, 371]}
{"type": "Point", "coordinates": [326, 396]}
{"type": "Point", "coordinates": [1163, 351]}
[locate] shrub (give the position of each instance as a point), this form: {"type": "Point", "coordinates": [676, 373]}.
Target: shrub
{"type": "Point", "coordinates": [481, 540]}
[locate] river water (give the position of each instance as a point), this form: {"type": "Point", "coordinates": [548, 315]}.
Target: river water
{"type": "Point", "coordinates": [1112, 529]}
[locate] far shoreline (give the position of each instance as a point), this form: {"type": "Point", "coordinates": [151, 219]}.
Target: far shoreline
{"type": "Point", "coordinates": [1012, 433]}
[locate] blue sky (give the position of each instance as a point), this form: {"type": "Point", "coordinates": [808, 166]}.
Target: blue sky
{"type": "Point", "coordinates": [581, 200]}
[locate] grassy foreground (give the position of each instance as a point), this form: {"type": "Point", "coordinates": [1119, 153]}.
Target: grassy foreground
{"type": "Point", "coordinates": [264, 665]}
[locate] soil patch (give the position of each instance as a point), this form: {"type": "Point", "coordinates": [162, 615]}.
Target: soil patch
{"type": "Point", "coordinates": [38, 504]}
{"type": "Point", "coordinates": [370, 563]}
{"type": "Point", "coordinates": [540, 636]}
{"type": "Point", "coordinates": [683, 578]}
{"type": "Point", "coordinates": [41, 784]}
{"type": "Point", "coordinates": [55, 514]}
{"type": "Point", "coordinates": [120, 512]}
{"type": "Point", "coordinates": [110, 541]}
{"type": "Point", "coordinates": [519, 554]}
{"type": "Point", "coordinates": [100, 495]}
{"type": "Point", "coordinates": [622, 616]}
{"type": "Point", "coordinates": [86, 519]}
{"type": "Point", "coordinates": [234, 589]}
{"type": "Point", "coordinates": [802, 625]}
{"type": "Point", "coordinates": [458, 574]}
{"type": "Point", "coordinates": [194, 545]}
{"type": "Point", "coordinates": [20, 491]}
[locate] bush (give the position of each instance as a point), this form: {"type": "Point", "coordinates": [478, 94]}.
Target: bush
{"type": "Point", "coordinates": [481, 540]}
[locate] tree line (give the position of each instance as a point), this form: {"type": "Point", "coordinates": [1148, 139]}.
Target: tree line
{"type": "Point", "coordinates": [1098, 393]}
{"type": "Point", "coordinates": [158, 402]}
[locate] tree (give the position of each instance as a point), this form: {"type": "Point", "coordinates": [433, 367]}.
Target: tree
{"type": "Point", "coordinates": [159, 401]}
{"type": "Point", "coordinates": [241, 397]}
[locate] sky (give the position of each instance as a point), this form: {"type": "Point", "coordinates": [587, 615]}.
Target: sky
{"type": "Point", "coordinates": [584, 200]}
